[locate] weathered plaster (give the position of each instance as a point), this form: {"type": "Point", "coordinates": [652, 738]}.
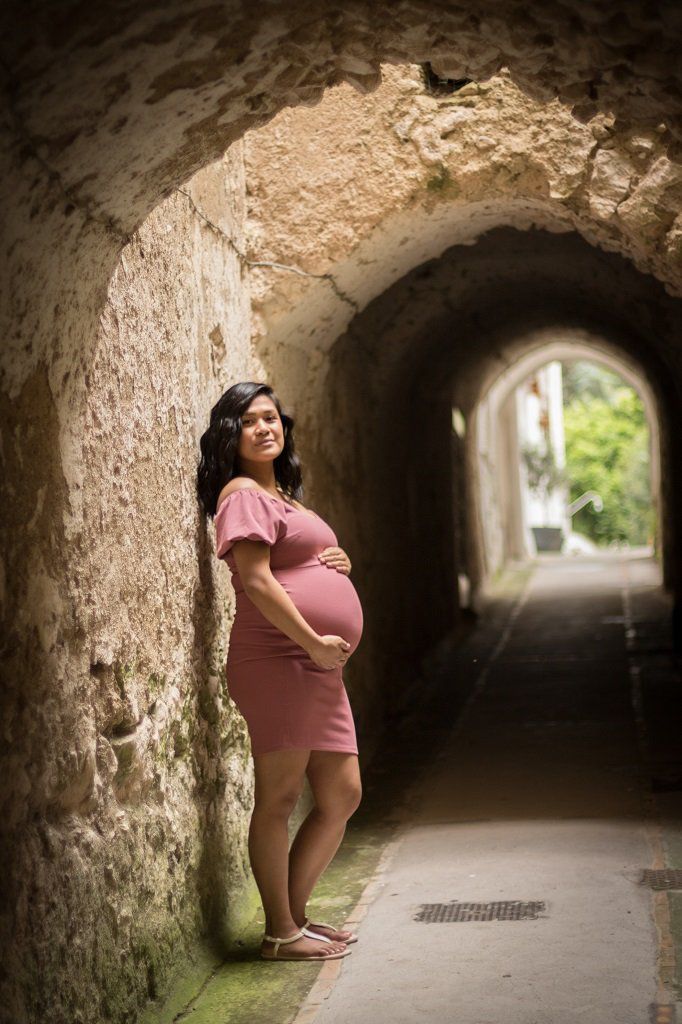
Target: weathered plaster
{"type": "Point", "coordinates": [366, 188]}
{"type": "Point", "coordinates": [125, 744]}
{"type": "Point", "coordinates": [124, 101]}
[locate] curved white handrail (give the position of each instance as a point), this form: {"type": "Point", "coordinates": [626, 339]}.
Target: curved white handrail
{"type": "Point", "coordinates": [585, 499]}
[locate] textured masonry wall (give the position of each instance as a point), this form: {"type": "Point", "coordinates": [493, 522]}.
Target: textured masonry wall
{"type": "Point", "coordinates": [131, 778]}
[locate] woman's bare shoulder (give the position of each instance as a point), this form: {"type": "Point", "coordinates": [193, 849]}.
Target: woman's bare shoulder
{"type": "Point", "coordinates": [237, 483]}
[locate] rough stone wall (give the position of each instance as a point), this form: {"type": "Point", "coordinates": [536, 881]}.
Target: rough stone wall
{"type": "Point", "coordinates": [131, 776]}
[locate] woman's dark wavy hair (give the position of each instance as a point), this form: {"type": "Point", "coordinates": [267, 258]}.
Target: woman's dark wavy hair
{"type": "Point", "coordinates": [219, 446]}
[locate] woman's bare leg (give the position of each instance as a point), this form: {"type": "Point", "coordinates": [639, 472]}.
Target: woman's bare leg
{"type": "Point", "coordinates": [335, 783]}
{"type": "Point", "coordinates": [279, 777]}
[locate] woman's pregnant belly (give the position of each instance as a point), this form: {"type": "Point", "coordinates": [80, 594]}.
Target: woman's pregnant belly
{"type": "Point", "coordinates": [326, 599]}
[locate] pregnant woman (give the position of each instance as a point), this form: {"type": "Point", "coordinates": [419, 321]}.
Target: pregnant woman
{"type": "Point", "coordinates": [298, 620]}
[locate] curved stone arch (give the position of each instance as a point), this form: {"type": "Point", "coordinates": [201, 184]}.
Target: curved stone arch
{"type": "Point", "coordinates": [311, 312]}
{"type": "Point", "coordinates": [394, 249]}
{"type": "Point", "coordinates": [360, 224]}
{"type": "Point", "coordinates": [576, 345]}
{"type": "Point", "coordinates": [151, 96]}
{"type": "Point", "coordinates": [92, 152]}
{"type": "Point", "coordinates": [540, 348]}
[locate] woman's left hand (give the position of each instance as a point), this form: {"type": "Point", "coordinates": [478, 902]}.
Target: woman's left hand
{"type": "Point", "coordinates": [335, 558]}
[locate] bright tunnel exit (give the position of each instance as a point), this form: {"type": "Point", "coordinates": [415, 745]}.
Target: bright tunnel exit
{"type": "Point", "coordinates": [567, 456]}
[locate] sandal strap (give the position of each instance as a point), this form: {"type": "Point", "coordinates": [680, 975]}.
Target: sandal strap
{"type": "Point", "coordinates": [316, 935]}
{"type": "Point", "coordinates": [282, 942]}
{"type": "Point", "coordinates": [323, 924]}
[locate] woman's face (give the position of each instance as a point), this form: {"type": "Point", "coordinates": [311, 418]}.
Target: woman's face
{"type": "Point", "coordinates": [262, 436]}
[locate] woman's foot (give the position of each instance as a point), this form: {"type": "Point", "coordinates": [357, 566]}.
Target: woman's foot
{"type": "Point", "coordinates": [311, 949]}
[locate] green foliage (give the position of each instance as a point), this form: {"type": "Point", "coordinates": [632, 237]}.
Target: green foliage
{"type": "Point", "coordinates": [581, 379]}
{"type": "Point", "coordinates": [607, 450]}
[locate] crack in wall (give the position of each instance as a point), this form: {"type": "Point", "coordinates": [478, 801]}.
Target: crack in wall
{"type": "Point", "coordinates": [245, 261]}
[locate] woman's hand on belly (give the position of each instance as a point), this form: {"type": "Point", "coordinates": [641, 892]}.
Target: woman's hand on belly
{"type": "Point", "coordinates": [335, 558]}
{"type": "Point", "coordinates": [329, 651]}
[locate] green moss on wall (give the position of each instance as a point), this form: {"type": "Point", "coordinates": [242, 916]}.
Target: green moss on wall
{"type": "Point", "coordinates": [441, 181]}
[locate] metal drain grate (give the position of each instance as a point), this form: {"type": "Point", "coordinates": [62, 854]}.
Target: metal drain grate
{"type": "Point", "coordinates": [662, 878]}
{"type": "Point", "coordinates": [501, 910]}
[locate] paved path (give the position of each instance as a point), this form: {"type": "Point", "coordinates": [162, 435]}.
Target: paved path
{"type": "Point", "coordinates": [538, 794]}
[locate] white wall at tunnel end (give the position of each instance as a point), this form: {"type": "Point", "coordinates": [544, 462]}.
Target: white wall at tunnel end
{"type": "Point", "coordinates": [539, 415]}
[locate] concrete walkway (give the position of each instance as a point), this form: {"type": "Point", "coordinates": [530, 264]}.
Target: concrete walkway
{"type": "Point", "coordinates": [539, 793]}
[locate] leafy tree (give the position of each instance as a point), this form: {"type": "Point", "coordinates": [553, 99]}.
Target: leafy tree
{"type": "Point", "coordinates": [607, 450]}
{"type": "Point", "coordinates": [581, 379]}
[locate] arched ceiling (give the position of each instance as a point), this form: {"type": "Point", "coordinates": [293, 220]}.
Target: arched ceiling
{"type": "Point", "coordinates": [460, 317]}
{"type": "Point", "coordinates": [120, 101]}
{"type": "Point", "coordinates": [346, 199]}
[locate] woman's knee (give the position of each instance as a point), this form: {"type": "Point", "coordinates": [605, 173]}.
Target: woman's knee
{"type": "Point", "coordinates": [279, 801]}
{"type": "Point", "coordinates": [340, 801]}
{"type": "Point", "coordinates": [279, 781]}
{"type": "Point", "coordinates": [354, 798]}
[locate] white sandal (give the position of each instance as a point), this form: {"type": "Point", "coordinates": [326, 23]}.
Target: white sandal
{"type": "Point", "coordinates": [322, 924]}
{"type": "Point", "coordinates": [298, 935]}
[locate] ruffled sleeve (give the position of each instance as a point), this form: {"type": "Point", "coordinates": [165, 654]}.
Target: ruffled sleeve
{"type": "Point", "coordinates": [248, 514]}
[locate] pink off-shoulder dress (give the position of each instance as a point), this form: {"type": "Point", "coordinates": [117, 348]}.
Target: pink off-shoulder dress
{"type": "Point", "coordinates": [288, 701]}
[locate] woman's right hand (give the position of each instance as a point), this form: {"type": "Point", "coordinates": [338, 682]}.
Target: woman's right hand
{"type": "Point", "coordinates": [329, 651]}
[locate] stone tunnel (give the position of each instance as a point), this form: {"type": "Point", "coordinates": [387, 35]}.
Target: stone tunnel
{"type": "Point", "coordinates": [199, 194]}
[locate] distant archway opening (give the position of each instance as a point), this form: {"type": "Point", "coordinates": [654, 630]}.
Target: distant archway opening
{"type": "Point", "coordinates": [503, 443]}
